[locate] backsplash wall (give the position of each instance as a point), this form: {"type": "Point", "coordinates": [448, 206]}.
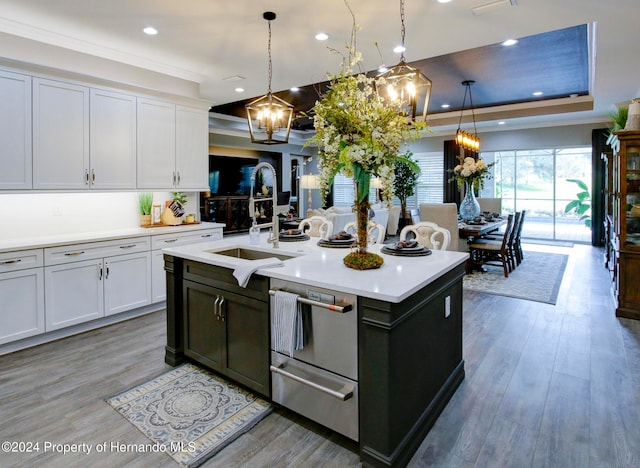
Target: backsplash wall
{"type": "Point", "coordinates": [37, 214]}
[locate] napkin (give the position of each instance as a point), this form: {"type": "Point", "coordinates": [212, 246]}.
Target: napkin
{"type": "Point", "coordinates": [243, 272]}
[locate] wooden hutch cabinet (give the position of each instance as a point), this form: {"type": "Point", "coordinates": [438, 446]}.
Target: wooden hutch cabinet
{"type": "Point", "coordinates": [627, 225]}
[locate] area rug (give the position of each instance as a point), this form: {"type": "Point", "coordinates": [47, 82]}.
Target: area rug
{"type": "Point", "coordinates": [189, 413]}
{"type": "Point", "coordinates": [537, 278]}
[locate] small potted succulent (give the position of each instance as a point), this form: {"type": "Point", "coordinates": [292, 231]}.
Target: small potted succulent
{"type": "Point", "coordinates": [145, 202]}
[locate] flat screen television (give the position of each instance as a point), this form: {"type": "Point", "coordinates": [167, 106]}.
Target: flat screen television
{"type": "Point", "coordinates": [230, 175]}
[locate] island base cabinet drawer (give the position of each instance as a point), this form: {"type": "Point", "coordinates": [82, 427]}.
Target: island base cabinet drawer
{"type": "Point", "coordinates": [323, 397]}
{"type": "Point", "coordinates": [21, 304]}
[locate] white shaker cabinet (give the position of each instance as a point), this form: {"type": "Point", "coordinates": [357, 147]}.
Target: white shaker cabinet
{"type": "Point", "coordinates": [21, 295]}
{"type": "Point", "coordinates": [15, 131]}
{"type": "Point", "coordinates": [156, 144]}
{"type": "Point", "coordinates": [79, 290]}
{"type": "Point", "coordinates": [60, 135]}
{"type": "Point", "coordinates": [192, 148]}
{"type": "Point", "coordinates": [113, 140]}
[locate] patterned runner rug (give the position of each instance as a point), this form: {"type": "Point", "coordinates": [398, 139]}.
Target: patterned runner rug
{"type": "Point", "coordinates": [537, 278]}
{"type": "Point", "coordinates": [190, 413]}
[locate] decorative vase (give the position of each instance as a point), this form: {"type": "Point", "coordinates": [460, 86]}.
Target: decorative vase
{"type": "Point", "coordinates": [360, 259]}
{"type": "Point", "coordinates": [145, 220]}
{"type": "Point", "coordinates": [469, 206]}
{"type": "Point", "coordinates": [633, 118]}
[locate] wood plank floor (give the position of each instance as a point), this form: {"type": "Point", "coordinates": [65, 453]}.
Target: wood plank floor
{"type": "Point", "coordinates": [554, 386]}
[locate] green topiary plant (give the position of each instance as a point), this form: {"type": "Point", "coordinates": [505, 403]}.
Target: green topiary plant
{"type": "Point", "coordinates": [145, 202]}
{"type": "Point", "coordinates": [406, 175]}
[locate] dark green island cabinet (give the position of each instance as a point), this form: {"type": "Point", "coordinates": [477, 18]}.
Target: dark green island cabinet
{"type": "Point", "coordinates": [409, 352]}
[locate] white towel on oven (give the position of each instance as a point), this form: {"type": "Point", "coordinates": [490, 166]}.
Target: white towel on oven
{"type": "Point", "coordinates": [243, 272]}
{"type": "Point", "coordinates": [287, 328]}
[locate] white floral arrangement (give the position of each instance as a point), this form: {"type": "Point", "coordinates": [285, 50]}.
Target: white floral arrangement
{"type": "Point", "coordinates": [471, 170]}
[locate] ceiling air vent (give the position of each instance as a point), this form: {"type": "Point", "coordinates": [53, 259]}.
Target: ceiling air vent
{"type": "Point", "coordinates": [491, 6]}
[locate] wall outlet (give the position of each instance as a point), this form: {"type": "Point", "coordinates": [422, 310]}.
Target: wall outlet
{"type": "Point", "coordinates": [57, 211]}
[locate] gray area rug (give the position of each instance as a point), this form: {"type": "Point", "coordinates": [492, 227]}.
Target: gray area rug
{"type": "Point", "coordinates": [190, 414]}
{"type": "Point", "coordinates": [537, 278]}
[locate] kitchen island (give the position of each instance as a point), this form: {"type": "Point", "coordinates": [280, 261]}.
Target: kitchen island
{"type": "Point", "coordinates": [407, 340]}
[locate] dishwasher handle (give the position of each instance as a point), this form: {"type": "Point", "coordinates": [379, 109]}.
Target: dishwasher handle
{"type": "Point", "coordinates": [343, 394]}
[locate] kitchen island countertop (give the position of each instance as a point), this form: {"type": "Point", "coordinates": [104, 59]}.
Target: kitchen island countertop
{"type": "Point", "coordinates": [397, 279]}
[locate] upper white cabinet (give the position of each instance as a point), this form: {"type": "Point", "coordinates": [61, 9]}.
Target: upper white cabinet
{"type": "Point", "coordinates": [156, 144]}
{"type": "Point", "coordinates": [192, 148]}
{"type": "Point", "coordinates": [172, 146]}
{"type": "Point", "coordinates": [113, 140]}
{"type": "Point", "coordinates": [15, 131]}
{"type": "Point", "coordinates": [60, 135]}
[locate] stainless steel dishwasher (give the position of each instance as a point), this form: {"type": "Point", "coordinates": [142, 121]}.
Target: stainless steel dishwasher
{"type": "Point", "coordinates": [321, 380]}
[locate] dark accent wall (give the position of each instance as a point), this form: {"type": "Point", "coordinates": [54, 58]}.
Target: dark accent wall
{"type": "Point", "coordinates": [598, 175]}
{"type": "Point", "coordinates": [451, 192]}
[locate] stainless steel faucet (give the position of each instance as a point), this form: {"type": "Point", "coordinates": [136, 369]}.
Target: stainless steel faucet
{"type": "Point", "coordinates": [274, 224]}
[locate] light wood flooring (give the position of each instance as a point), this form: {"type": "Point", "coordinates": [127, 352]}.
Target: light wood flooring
{"type": "Point", "coordinates": [555, 386]}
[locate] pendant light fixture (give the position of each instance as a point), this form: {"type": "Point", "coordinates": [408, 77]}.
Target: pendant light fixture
{"type": "Point", "coordinates": [464, 139]}
{"type": "Point", "coordinates": [269, 116]}
{"type": "Point", "coordinates": [406, 83]}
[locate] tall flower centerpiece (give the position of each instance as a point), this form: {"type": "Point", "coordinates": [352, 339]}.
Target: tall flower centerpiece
{"type": "Point", "coordinates": [360, 135]}
{"type": "Point", "coordinates": [470, 174]}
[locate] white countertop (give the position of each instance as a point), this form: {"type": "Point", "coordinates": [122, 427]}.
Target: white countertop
{"type": "Point", "coordinates": [397, 279]}
{"type": "Point", "coordinates": [41, 240]}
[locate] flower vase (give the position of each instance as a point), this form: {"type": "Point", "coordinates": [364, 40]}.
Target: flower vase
{"type": "Point", "coordinates": [360, 259]}
{"type": "Point", "coordinates": [469, 206]}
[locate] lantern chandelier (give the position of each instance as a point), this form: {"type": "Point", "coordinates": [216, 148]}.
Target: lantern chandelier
{"type": "Point", "coordinates": [269, 116]}
{"type": "Point", "coordinates": [464, 139]}
{"type": "Point", "coordinates": [405, 82]}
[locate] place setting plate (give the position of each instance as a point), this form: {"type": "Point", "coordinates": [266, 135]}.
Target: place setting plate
{"type": "Point", "coordinates": [293, 235]}
{"type": "Point", "coordinates": [407, 249]}
{"type": "Point", "coordinates": [336, 243]}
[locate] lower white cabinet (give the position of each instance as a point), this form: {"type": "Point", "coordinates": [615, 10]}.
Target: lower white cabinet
{"type": "Point", "coordinates": [21, 304]}
{"type": "Point", "coordinates": [81, 291]}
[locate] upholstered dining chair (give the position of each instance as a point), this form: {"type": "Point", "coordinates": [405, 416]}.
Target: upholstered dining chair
{"type": "Point", "coordinates": [492, 205]}
{"type": "Point", "coordinates": [444, 215]}
{"type": "Point", "coordinates": [375, 231]}
{"type": "Point", "coordinates": [427, 234]}
{"type": "Point", "coordinates": [316, 226]}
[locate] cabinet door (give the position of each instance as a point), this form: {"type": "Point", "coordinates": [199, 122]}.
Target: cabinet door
{"type": "Point", "coordinates": [246, 348]}
{"type": "Point", "coordinates": [127, 282]}
{"type": "Point", "coordinates": [15, 131]}
{"type": "Point", "coordinates": [60, 135]}
{"type": "Point", "coordinates": [73, 293]}
{"type": "Point", "coordinates": [203, 332]}
{"type": "Point", "coordinates": [156, 144]}
{"type": "Point", "coordinates": [192, 148]}
{"type": "Point", "coordinates": [22, 304]}
{"type": "Point", "coordinates": [158, 277]}
{"type": "Point", "coordinates": [113, 140]}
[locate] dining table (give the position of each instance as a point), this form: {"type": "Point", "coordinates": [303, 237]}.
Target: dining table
{"type": "Point", "coordinates": [475, 230]}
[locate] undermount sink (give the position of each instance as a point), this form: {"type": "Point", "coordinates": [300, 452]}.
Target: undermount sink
{"type": "Point", "coordinates": [251, 254]}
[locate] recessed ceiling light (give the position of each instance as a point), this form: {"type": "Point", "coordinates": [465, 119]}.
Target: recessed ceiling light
{"type": "Point", "coordinates": [502, 122]}
{"type": "Point", "coordinates": [150, 30]}
{"type": "Point", "coordinates": [538, 93]}
{"type": "Point", "coordinates": [399, 49]}
{"type": "Point", "coordinates": [294, 89]}
{"type": "Point", "coordinates": [322, 36]}
{"type": "Point", "coordinates": [239, 90]}
{"type": "Point", "coordinates": [382, 68]}
{"type": "Point", "coordinates": [510, 42]}
{"type": "Point", "coordinates": [444, 1]}
{"type": "Point", "coordinates": [445, 106]}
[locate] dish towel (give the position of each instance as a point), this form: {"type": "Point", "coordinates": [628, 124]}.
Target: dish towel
{"type": "Point", "coordinates": [243, 272]}
{"type": "Point", "coordinates": [286, 323]}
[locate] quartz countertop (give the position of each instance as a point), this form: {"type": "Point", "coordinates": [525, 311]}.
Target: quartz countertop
{"type": "Point", "coordinates": [397, 279]}
{"type": "Point", "coordinates": [38, 241]}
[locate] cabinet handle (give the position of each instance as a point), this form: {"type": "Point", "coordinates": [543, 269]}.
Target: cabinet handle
{"type": "Point", "coordinates": [220, 308]}
{"type": "Point", "coordinates": [128, 246]}
{"type": "Point", "coordinates": [8, 262]}
{"type": "Point", "coordinates": [215, 307]}
{"type": "Point", "coordinates": [86, 177]}
{"type": "Point", "coordinates": [174, 177]}
{"type": "Point", "coordinates": [74, 254]}
{"type": "Point", "coordinates": [93, 177]}
{"type": "Point", "coordinates": [106, 276]}
{"type": "Point", "coordinates": [178, 178]}
{"type": "Point", "coordinates": [100, 271]}
{"type": "Point", "coordinates": [205, 235]}
{"type": "Point", "coordinates": [168, 241]}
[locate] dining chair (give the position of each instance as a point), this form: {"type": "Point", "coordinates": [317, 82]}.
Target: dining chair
{"type": "Point", "coordinates": [415, 215]}
{"type": "Point", "coordinates": [492, 205]}
{"type": "Point", "coordinates": [316, 226]}
{"type": "Point", "coordinates": [375, 231]}
{"type": "Point", "coordinates": [444, 215]}
{"type": "Point", "coordinates": [497, 253]}
{"type": "Point", "coordinates": [426, 234]}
